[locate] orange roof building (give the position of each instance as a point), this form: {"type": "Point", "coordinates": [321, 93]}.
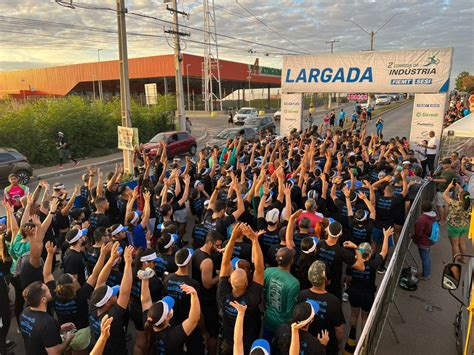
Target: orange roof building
{"type": "Point", "coordinates": [81, 79]}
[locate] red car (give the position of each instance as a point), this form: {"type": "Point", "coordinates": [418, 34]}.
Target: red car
{"type": "Point", "coordinates": [177, 143]}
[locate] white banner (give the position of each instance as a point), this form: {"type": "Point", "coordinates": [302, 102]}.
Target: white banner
{"type": "Point", "coordinates": [151, 94]}
{"type": "Point", "coordinates": [291, 113]}
{"type": "Point", "coordinates": [423, 70]}
{"type": "Point", "coordinates": [428, 115]}
{"type": "Point", "coordinates": [127, 138]}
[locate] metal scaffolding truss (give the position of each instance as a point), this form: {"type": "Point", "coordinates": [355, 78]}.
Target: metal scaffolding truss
{"type": "Point", "coordinates": [211, 68]}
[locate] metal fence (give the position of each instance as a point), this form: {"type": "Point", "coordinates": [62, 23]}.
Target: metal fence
{"type": "Point", "coordinates": [372, 332]}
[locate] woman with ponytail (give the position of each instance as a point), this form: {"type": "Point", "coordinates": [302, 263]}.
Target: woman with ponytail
{"type": "Point", "coordinates": [306, 258]}
{"type": "Point", "coordinates": [145, 262]}
{"type": "Point", "coordinates": [459, 216]}
{"type": "Point", "coordinates": [161, 337]}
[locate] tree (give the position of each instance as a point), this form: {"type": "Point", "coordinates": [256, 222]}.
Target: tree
{"type": "Point", "coordinates": [468, 83]}
{"type": "Point", "coordinates": [459, 79]}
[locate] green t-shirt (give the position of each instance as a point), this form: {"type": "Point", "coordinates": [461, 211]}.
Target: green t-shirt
{"type": "Point", "coordinates": [16, 249]}
{"type": "Point", "coordinates": [281, 291]}
{"type": "Point", "coordinates": [449, 175]}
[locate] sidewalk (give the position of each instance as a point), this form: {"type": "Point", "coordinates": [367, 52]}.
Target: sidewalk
{"type": "Point", "coordinates": [52, 171]}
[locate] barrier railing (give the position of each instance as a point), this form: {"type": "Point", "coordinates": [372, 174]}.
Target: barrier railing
{"type": "Point", "coordinates": [372, 332]}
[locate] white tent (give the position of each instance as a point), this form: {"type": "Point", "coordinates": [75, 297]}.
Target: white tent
{"type": "Point", "coordinates": [459, 137]}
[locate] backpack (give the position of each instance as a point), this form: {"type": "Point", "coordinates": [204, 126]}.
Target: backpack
{"type": "Point", "coordinates": [434, 232]}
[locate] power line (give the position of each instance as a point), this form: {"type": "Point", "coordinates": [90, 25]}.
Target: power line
{"type": "Point", "coordinates": [267, 26]}
{"type": "Point", "coordinates": [91, 7]}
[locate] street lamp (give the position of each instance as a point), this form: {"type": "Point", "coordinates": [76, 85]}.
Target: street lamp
{"type": "Point", "coordinates": [187, 82]}
{"type": "Point", "coordinates": [101, 94]}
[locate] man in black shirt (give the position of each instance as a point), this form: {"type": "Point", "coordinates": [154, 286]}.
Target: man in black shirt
{"type": "Point", "coordinates": [99, 218]}
{"type": "Point", "coordinates": [234, 286]}
{"type": "Point", "coordinates": [334, 256]}
{"type": "Point", "coordinates": [204, 271]}
{"type": "Point", "coordinates": [172, 283]}
{"type": "Point", "coordinates": [330, 315]}
{"type": "Point", "coordinates": [41, 332]}
{"type": "Point", "coordinates": [74, 260]}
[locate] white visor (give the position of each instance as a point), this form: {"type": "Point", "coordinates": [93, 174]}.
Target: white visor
{"type": "Point", "coordinates": [76, 238]}
{"type": "Point", "coordinates": [166, 311]}
{"type": "Point", "coordinates": [150, 257]}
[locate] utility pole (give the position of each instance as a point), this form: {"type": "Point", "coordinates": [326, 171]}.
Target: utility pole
{"type": "Point", "coordinates": [177, 62]}
{"type": "Point", "coordinates": [331, 42]}
{"type": "Point", "coordinates": [372, 37]}
{"type": "Point", "coordinates": [187, 82]}
{"type": "Point", "coordinates": [249, 77]}
{"type": "Point", "coordinates": [124, 81]}
{"type": "Point", "coordinates": [101, 93]}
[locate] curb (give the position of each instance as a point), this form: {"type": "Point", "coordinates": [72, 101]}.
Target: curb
{"type": "Point", "coordinates": [81, 167]}
{"type": "Point", "coordinates": [74, 170]}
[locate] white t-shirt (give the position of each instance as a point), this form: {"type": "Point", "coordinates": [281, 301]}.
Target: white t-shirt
{"type": "Point", "coordinates": [433, 142]}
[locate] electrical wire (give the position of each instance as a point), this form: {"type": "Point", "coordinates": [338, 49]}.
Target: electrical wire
{"type": "Point", "coordinates": [91, 7]}
{"type": "Point", "coordinates": [268, 27]}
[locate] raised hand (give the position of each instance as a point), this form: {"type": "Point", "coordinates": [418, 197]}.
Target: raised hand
{"type": "Point", "coordinates": [241, 308]}
{"type": "Point", "coordinates": [296, 214]}
{"type": "Point", "coordinates": [53, 205]}
{"type": "Point", "coordinates": [388, 232]}
{"type": "Point", "coordinates": [50, 248]}
{"type": "Point", "coordinates": [323, 337]}
{"type": "Point", "coordinates": [35, 219]}
{"type": "Point", "coordinates": [147, 196]}
{"type": "Point", "coordinates": [105, 324]}
{"type": "Point", "coordinates": [189, 290]}
{"type": "Point", "coordinates": [105, 248]}
{"type": "Point", "coordinates": [127, 255]}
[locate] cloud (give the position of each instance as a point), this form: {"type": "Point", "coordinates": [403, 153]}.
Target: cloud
{"type": "Point", "coordinates": [291, 25]}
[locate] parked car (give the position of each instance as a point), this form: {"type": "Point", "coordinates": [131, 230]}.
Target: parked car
{"type": "Point", "coordinates": [13, 162]}
{"type": "Point", "coordinates": [177, 143]}
{"type": "Point", "coordinates": [394, 97]}
{"type": "Point", "coordinates": [244, 113]}
{"type": "Point", "coordinates": [277, 115]}
{"type": "Point", "coordinates": [249, 133]}
{"type": "Point", "coordinates": [383, 100]}
{"type": "Point", "coordinates": [261, 123]}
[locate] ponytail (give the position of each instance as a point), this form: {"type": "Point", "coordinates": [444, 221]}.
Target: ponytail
{"type": "Point", "coordinates": [465, 200]}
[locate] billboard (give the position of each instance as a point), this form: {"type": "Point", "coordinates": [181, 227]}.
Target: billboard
{"type": "Point", "coordinates": [419, 70]}
{"type": "Point", "coordinates": [291, 113]}
{"type": "Point", "coordinates": [428, 115]}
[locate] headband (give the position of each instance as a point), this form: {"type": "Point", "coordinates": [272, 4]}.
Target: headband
{"type": "Point", "coordinates": [171, 241]}
{"type": "Point", "coordinates": [313, 247]}
{"type": "Point", "coordinates": [187, 260]}
{"type": "Point", "coordinates": [150, 257]}
{"type": "Point", "coordinates": [107, 296]}
{"type": "Point", "coordinates": [59, 187]}
{"type": "Point", "coordinates": [77, 237]}
{"type": "Point", "coordinates": [166, 311]}
{"type": "Point", "coordinates": [135, 217]}
{"type": "Point", "coordinates": [117, 230]}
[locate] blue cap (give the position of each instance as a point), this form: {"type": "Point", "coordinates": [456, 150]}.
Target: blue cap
{"type": "Point", "coordinates": [115, 290]}
{"type": "Point", "coordinates": [120, 250]}
{"type": "Point", "coordinates": [84, 231]}
{"type": "Point", "coordinates": [261, 344]}
{"type": "Point", "coordinates": [160, 226]}
{"type": "Point", "coordinates": [159, 260]}
{"type": "Point", "coordinates": [331, 220]}
{"type": "Point", "coordinates": [169, 301]}
{"type": "Point", "coordinates": [235, 263]}
{"type": "Point", "coordinates": [3, 220]}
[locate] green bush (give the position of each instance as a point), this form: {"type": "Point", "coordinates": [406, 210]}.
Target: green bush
{"type": "Point", "coordinates": [90, 127]}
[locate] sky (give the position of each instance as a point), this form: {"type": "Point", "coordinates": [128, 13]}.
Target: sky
{"type": "Point", "coordinates": [39, 33]}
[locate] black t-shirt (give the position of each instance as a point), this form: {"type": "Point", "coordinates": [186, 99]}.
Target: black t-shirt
{"type": "Point", "coordinates": [342, 212]}
{"type": "Point", "coordinates": [169, 340]}
{"type": "Point", "coordinates": [219, 224]}
{"type": "Point", "coordinates": [182, 301]}
{"type": "Point", "coordinates": [386, 210]}
{"type": "Point", "coordinates": [167, 264]}
{"type": "Point", "coordinates": [251, 298]}
{"type": "Point", "coordinates": [75, 310]}
{"type": "Point", "coordinates": [39, 331]}
{"type": "Point", "coordinates": [329, 316]}
{"type": "Point", "coordinates": [30, 274]}
{"type": "Point", "coordinates": [242, 250]}
{"type": "Point", "coordinates": [361, 233]}
{"type": "Point", "coordinates": [364, 281]}
{"type": "Point", "coordinates": [113, 211]}
{"type": "Point", "coordinates": [99, 220]}
{"type": "Point", "coordinates": [269, 238]}
{"type": "Point", "coordinates": [117, 343]}
{"type": "Point", "coordinates": [334, 256]}
{"type": "Point", "coordinates": [156, 292]}
{"type": "Point", "coordinates": [92, 255]}
{"type": "Point", "coordinates": [310, 345]}
{"type": "Point", "coordinates": [74, 263]}
{"type": "Point", "coordinates": [208, 295]}
{"type": "Point", "coordinates": [270, 258]}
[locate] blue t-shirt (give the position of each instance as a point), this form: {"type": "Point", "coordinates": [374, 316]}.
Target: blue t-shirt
{"type": "Point", "coordinates": [354, 117]}
{"type": "Point", "coordinates": [342, 115]}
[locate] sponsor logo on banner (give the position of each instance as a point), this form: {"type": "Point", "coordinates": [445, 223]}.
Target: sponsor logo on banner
{"type": "Point", "coordinates": [424, 70]}
{"type": "Point", "coordinates": [291, 113]}
{"type": "Point", "coordinates": [357, 97]}
{"type": "Point", "coordinates": [428, 115]}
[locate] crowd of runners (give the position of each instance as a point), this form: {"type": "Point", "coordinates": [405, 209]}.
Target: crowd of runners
{"type": "Point", "coordinates": [248, 249]}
